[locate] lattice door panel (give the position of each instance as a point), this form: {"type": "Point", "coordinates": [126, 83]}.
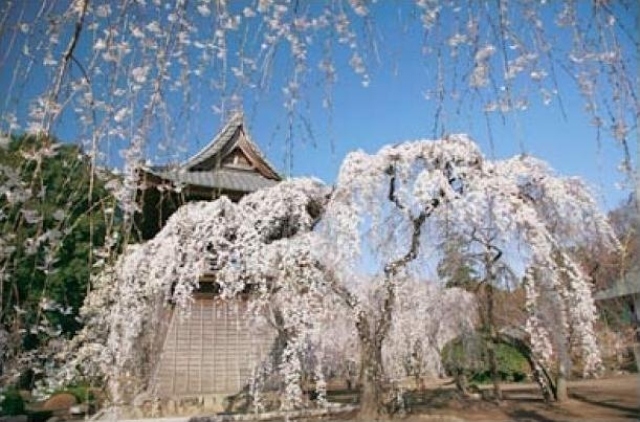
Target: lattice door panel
{"type": "Point", "coordinates": [210, 350]}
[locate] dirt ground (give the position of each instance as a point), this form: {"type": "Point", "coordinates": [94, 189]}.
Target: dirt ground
{"type": "Point", "coordinates": [608, 399]}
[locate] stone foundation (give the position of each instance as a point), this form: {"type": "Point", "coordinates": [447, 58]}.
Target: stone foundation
{"type": "Point", "coordinates": [176, 406]}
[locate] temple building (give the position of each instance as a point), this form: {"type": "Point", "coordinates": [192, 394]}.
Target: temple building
{"type": "Point", "coordinates": [231, 165]}
{"type": "Point", "coordinates": [209, 352]}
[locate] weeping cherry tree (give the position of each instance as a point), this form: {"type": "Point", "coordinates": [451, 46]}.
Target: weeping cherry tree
{"type": "Point", "coordinates": [300, 246]}
{"type": "Point", "coordinates": [134, 79]}
{"type": "Point", "coordinates": [400, 203]}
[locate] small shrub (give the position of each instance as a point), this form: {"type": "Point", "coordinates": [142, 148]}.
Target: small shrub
{"type": "Point", "coordinates": [469, 356]}
{"type": "Point", "coordinates": [12, 403]}
{"type": "Point", "coordinates": [82, 393]}
{"type": "Point", "coordinates": [513, 366]}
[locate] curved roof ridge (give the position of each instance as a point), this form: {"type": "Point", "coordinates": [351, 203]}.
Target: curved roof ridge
{"type": "Point", "coordinates": [224, 142]}
{"type": "Point", "coordinates": [217, 143]}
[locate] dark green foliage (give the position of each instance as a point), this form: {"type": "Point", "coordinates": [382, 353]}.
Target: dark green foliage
{"type": "Point", "coordinates": [81, 392]}
{"type": "Point", "coordinates": [468, 356]}
{"type": "Point", "coordinates": [513, 366]}
{"type": "Point", "coordinates": [54, 212]}
{"type": "Point", "coordinates": [12, 403]}
{"type": "Point", "coordinates": [157, 207]}
{"type": "Point", "coordinates": [456, 268]}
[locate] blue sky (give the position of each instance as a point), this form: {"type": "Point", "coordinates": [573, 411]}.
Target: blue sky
{"type": "Point", "coordinates": [393, 108]}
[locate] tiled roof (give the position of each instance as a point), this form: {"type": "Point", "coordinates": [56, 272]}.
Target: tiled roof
{"type": "Point", "coordinates": [216, 145]}
{"type": "Point", "coordinates": [224, 179]}
{"type": "Point", "coordinates": [222, 144]}
{"type": "Point", "coordinates": [208, 169]}
{"type": "Point", "coordinates": [627, 286]}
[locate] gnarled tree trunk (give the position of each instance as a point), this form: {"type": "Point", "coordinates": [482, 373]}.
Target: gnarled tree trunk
{"type": "Point", "coordinates": [494, 368]}
{"type": "Point", "coordinates": [372, 403]}
{"type": "Point", "coordinates": [491, 333]}
{"type": "Point", "coordinates": [372, 331]}
{"type": "Point", "coordinates": [561, 383]}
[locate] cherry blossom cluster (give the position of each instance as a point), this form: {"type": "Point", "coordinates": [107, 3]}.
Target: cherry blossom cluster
{"type": "Point", "coordinates": [335, 271]}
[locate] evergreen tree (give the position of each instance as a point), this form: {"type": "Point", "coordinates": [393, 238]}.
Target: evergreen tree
{"type": "Point", "coordinates": [55, 216]}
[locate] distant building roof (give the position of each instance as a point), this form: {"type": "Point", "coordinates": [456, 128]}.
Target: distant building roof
{"type": "Point", "coordinates": [629, 285]}
{"type": "Point", "coordinates": [224, 179]}
{"type": "Point", "coordinates": [230, 162]}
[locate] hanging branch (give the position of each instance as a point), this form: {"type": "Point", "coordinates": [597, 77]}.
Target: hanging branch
{"type": "Point", "coordinates": [68, 54]}
{"type": "Point", "coordinates": [392, 268]}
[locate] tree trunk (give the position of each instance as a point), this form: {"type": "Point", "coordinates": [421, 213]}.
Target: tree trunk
{"type": "Point", "coordinates": [494, 368]}
{"type": "Point", "coordinates": [461, 381]}
{"type": "Point", "coordinates": [563, 367]}
{"type": "Point", "coordinates": [636, 307]}
{"type": "Point", "coordinates": [492, 344]}
{"type": "Point", "coordinates": [636, 354]}
{"type": "Point", "coordinates": [372, 406]}
{"type": "Point", "coordinates": [561, 384]}
{"type": "Point", "coordinates": [540, 374]}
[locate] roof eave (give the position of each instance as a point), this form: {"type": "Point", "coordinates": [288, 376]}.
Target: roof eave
{"type": "Point", "coordinates": [217, 144]}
